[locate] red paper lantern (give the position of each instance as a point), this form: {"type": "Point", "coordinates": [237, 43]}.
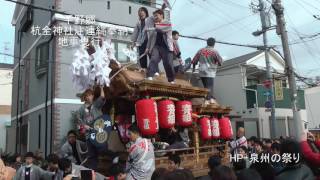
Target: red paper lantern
{"type": "Point", "coordinates": [184, 113]}
{"type": "Point", "coordinates": [205, 127]}
{"type": "Point", "coordinates": [166, 111]}
{"type": "Point", "coordinates": [147, 116]}
{"type": "Point", "coordinates": [215, 128]}
{"type": "Point", "coordinates": [225, 128]}
{"type": "Point", "coordinates": [123, 123]}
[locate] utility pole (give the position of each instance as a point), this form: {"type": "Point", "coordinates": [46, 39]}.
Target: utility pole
{"type": "Point", "coordinates": [281, 30]}
{"type": "Point", "coordinates": [270, 95]}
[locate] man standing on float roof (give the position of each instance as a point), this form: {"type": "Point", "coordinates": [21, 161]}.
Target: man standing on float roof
{"type": "Point", "coordinates": [209, 60]}
{"type": "Point", "coordinates": [160, 46]}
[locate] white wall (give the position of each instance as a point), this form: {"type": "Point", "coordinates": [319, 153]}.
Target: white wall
{"type": "Point", "coordinates": [5, 101]}
{"type": "Point", "coordinates": [280, 113]}
{"type": "Point", "coordinates": [260, 61]}
{"type": "Point", "coordinates": [4, 119]}
{"type": "Point", "coordinates": [6, 87]}
{"type": "Point", "coordinates": [228, 89]}
{"type": "Point", "coordinates": [312, 99]}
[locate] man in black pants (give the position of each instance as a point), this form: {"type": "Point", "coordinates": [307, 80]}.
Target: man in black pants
{"type": "Point", "coordinates": [209, 60]}
{"type": "Point", "coordinates": [160, 46]}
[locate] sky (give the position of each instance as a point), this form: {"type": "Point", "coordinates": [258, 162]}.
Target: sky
{"type": "Point", "coordinates": [6, 30]}
{"type": "Point", "coordinates": [198, 17]}
{"type": "Point", "coordinates": [225, 20]}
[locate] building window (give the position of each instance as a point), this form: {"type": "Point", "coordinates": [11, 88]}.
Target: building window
{"type": "Point", "coordinates": [252, 82]}
{"type": "Point", "coordinates": [145, 2]}
{"type": "Point", "coordinates": [118, 47]}
{"type": "Point", "coordinates": [129, 9]}
{"type": "Point", "coordinates": [284, 83]}
{"type": "Point", "coordinates": [42, 58]}
{"type": "Point", "coordinates": [108, 5]}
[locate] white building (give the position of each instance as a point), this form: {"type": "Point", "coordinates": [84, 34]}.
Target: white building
{"type": "Point", "coordinates": [5, 101]}
{"type": "Point", "coordinates": [239, 83]}
{"type": "Point", "coordinates": [312, 98]}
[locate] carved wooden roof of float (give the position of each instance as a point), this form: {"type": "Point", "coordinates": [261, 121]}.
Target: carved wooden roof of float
{"type": "Point", "coordinates": [132, 81]}
{"type": "Point", "coordinates": [212, 108]}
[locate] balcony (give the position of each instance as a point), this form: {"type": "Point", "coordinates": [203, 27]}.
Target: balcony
{"type": "Point", "coordinates": [261, 90]}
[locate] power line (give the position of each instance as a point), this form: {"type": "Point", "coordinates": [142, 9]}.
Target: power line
{"type": "Point", "coordinates": [233, 3]}
{"type": "Point", "coordinates": [228, 36]}
{"type": "Point", "coordinates": [310, 109]}
{"type": "Point", "coordinates": [222, 16]}
{"type": "Point", "coordinates": [227, 43]}
{"type": "Point", "coordinates": [29, 59]}
{"type": "Point", "coordinates": [307, 10]}
{"type": "Point", "coordinates": [306, 46]}
{"type": "Point", "coordinates": [226, 15]}
{"type": "Point", "coordinates": [302, 41]}
{"type": "Point", "coordinates": [59, 12]}
{"type": "Point", "coordinates": [294, 59]}
{"type": "Point", "coordinates": [174, 2]}
{"type": "Point", "coordinates": [97, 20]}
{"type": "Point", "coordinates": [313, 6]}
{"type": "Point", "coordinates": [224, 25]}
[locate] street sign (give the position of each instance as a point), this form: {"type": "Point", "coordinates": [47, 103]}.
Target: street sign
{"type": "Point", "coordinates": [267, 93]}
{"type": "Point", "coordinates": [278, 90]}
{"type": "Point", "coordinates": [267, 84]}
{"type": "Point", "coordinates": [268, 104]}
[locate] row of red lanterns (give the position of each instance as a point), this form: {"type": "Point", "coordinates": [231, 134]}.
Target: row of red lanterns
{"type": "Point", "coordinates": [150, 115]}
{"type": "Point", "coordinates": [214, 128]}
{"type": "Point", "coordinates": [166, 112]}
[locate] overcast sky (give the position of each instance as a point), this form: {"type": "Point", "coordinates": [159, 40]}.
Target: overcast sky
{"type": "Point", "coordinates": [6, 30]}
{"type": "Point", "coordinates": [205, 18]}
{"type": "Point", "coordinates": [198, 17]}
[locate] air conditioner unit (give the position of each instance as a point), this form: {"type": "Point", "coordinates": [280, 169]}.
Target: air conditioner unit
{"type": "Point", "coordinates": [26, 20]}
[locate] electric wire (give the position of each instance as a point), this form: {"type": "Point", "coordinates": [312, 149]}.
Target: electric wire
{"type": "Point", "coordinates": [97, 20]}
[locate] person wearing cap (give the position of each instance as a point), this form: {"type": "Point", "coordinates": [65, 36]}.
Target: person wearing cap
{"type": "Point", "coordinates": [90, 110]}
{"type": "Point", "coordinates": [73, 149]}
{"type": "Point", "coordinates": [32, 172]}
{"type": "Point", "coordinates": [209, 60]}
{"type": "Point", "coordinates": [87, 114]}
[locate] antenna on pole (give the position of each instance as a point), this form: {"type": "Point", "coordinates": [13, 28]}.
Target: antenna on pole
{"type": "Point", "coordinates": [6, 50]}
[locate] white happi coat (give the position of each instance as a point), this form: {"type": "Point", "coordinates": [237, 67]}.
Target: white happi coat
{"type": "Point", "coordinates": [238, 143]}
{"type": "Point", "coordinates": [36, 173]}
{"type": "Point", "coordinates": [141, 162]}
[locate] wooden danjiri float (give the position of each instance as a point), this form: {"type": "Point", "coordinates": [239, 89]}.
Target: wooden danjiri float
{"type": "Point", "coordinates": [128, 85]}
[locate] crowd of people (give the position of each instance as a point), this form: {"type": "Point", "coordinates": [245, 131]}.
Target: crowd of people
{"type": "Point", "coordinates": [253, 158]}
{"type": "Point", "coordinates": [279, 159]}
